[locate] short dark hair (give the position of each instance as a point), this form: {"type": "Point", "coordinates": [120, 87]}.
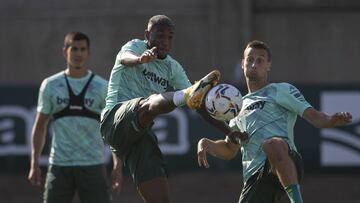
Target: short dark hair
{"type": "Point", "coordinates": [257, 44]}
{"type": "Point", "coordinates": [160, 20]}
{"type": "Point", "coordinates": [75, 36]}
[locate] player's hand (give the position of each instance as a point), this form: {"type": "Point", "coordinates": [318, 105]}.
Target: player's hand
{"type": "Point", "coordinates": [238, 137]}
{"type": "Point", "coordinates": [341, 118]}
{"type": "Point", "coordinates": [148, 55]}
{"type": "Point", "coordinates": [117, 179]}
{"type": "Point", "coordinates": [201, 153]}
{"type": "Point", "coordinates": [35, 175]}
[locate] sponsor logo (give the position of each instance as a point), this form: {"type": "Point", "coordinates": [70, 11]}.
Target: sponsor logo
{"type": "Point", "coordinates": [256, 105]}
{"type": "Point", "coordinates": [88, 101]}
{"type": "Point", "coordinates": [341, 146]}
{"type": "Point", "coordinates": [296, 93]}
{"type": "Point", "coordinates": [156, 79]}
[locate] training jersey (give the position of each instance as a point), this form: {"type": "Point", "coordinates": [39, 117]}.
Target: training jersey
{"type": "Point", "coordinates": [268, 112]}
{"type": "Point", "coordinates": [76, 140]}
{"type": "Point", "coordinates": [144, 79]}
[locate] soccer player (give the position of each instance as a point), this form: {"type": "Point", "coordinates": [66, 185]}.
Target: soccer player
{"type": "Point", "coordinates": [137, 93]}
{"type": "Point", "coordinates": [271, 162]}
{"type": "Point", "coordinates": [73, 99]}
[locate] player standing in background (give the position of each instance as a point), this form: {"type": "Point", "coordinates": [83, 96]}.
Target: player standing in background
{"type": "Point", "coordinates": [73, 98]}
{"type": "Point", "coordinates": [271, 162]}
{"type": "Point", "coordinates": [137, 93]}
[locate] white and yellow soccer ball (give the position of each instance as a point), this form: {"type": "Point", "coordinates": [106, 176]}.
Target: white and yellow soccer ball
{"type": "Point", "coordinates": [223, 102]}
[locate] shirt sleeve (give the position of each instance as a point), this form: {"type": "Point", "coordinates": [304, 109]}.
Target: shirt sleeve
{"type": "Point", "coordinates": [179, 79]}
{"type": "Point", "coordinates": [135, 46]}
{"type": "Point", "coordinates": [44, 99]}
{"type": "Point", "coordinates": [291, 98]}
{"type": "Point", "coordinates": [233, 126]}
{"type": "Point", "coordinates": [104, 92]}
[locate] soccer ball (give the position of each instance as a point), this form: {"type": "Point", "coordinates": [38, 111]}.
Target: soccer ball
{"type": "Point", "coordinates": [223, 102]}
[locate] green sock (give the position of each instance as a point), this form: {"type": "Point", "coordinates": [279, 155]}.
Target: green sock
{"type": "Point", "coordinates": [293, 191]}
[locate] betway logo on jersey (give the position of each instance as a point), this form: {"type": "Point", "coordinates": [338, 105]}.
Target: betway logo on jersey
{"type": "Point", "coordinates": [59, 100]}
{"type": "Point", "coordinates": [156, 79]}
{"type": "Point", "coordinates": [256, 105]}
{"type": "Point", "coordinates": [341, 146]}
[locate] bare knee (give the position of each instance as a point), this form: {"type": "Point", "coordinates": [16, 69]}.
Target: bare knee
{"type": "Point", "coordinates": [144, 109]}
{"type": "Point", "coordinates": [155, 105]}
{"type": "Point", "coordinates": [275, 147]}
{"type": "Point", "coordinates": [145, 115]}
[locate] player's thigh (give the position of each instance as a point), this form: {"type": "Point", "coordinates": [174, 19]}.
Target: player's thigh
{"type": "Point", "coordinates": [155, 190]}
{"type": "Point", "coordinates": [120, 127]}
{"type": "Point", "coordinates": [59, 185]}
{"type": "Point", "coordinates": [145, 160]}
{"type": "Point", "coordinates": [92, 184]}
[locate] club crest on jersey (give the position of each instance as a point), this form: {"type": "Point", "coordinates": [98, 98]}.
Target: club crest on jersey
{"type": "Point", "coordinates": [156, 79]}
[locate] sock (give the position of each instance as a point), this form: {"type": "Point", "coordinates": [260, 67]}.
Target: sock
{"type": "Point", "coordinates": [179, 98]}
{"type": "Point", "coordinates": [293, 192]}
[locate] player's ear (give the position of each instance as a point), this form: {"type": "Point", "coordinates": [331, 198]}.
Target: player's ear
{"type": "Point", "coordinates": [147, 34]}
{"type": "Point", "coordinates": [64, 52]}
{"type": "Point", "coordinates": [269, 67]}
{"type": "Point", "coordinates": [242, 63]}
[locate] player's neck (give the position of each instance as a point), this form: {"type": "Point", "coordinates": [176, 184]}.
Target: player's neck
{"type": "Point", "coordinates": [254, 86]}
{"type": "Point", "coordinates": [76, 72]}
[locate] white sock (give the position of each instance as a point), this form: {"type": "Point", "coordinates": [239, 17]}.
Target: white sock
{"type": "Point", "coordinates": [179, 98]}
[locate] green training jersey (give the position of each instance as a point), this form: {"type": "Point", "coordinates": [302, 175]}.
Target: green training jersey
{"type": "Point", "coordinates": [145, 79]}
{"type": "Point", "coordinates": [268, 112]}
{"type": "Point", "coordinates": [76, 140]}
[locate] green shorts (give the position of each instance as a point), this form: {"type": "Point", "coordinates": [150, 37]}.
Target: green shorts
{"type": "Point", "coordinates": [90, 182]}
{"type": "Point", "coordinates": [264, 186]}
{"type": "Point", "coordinates": [135, 146]}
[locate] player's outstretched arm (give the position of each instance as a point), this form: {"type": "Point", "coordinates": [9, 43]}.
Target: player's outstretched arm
{"type": "Point", "coordinates": [223, 149]}
{"type": "Point", "coordinates": [322, 120]}
{"type": "Point", "coordinates": [128, 58]}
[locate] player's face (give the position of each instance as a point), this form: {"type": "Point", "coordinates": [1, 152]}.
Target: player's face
{"type": "Point", "coordinates": [256, 64]}
{"type": "Point", "coordinates": [76, 54]}
{"type": "Point", "coordinates": [160, 37]}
